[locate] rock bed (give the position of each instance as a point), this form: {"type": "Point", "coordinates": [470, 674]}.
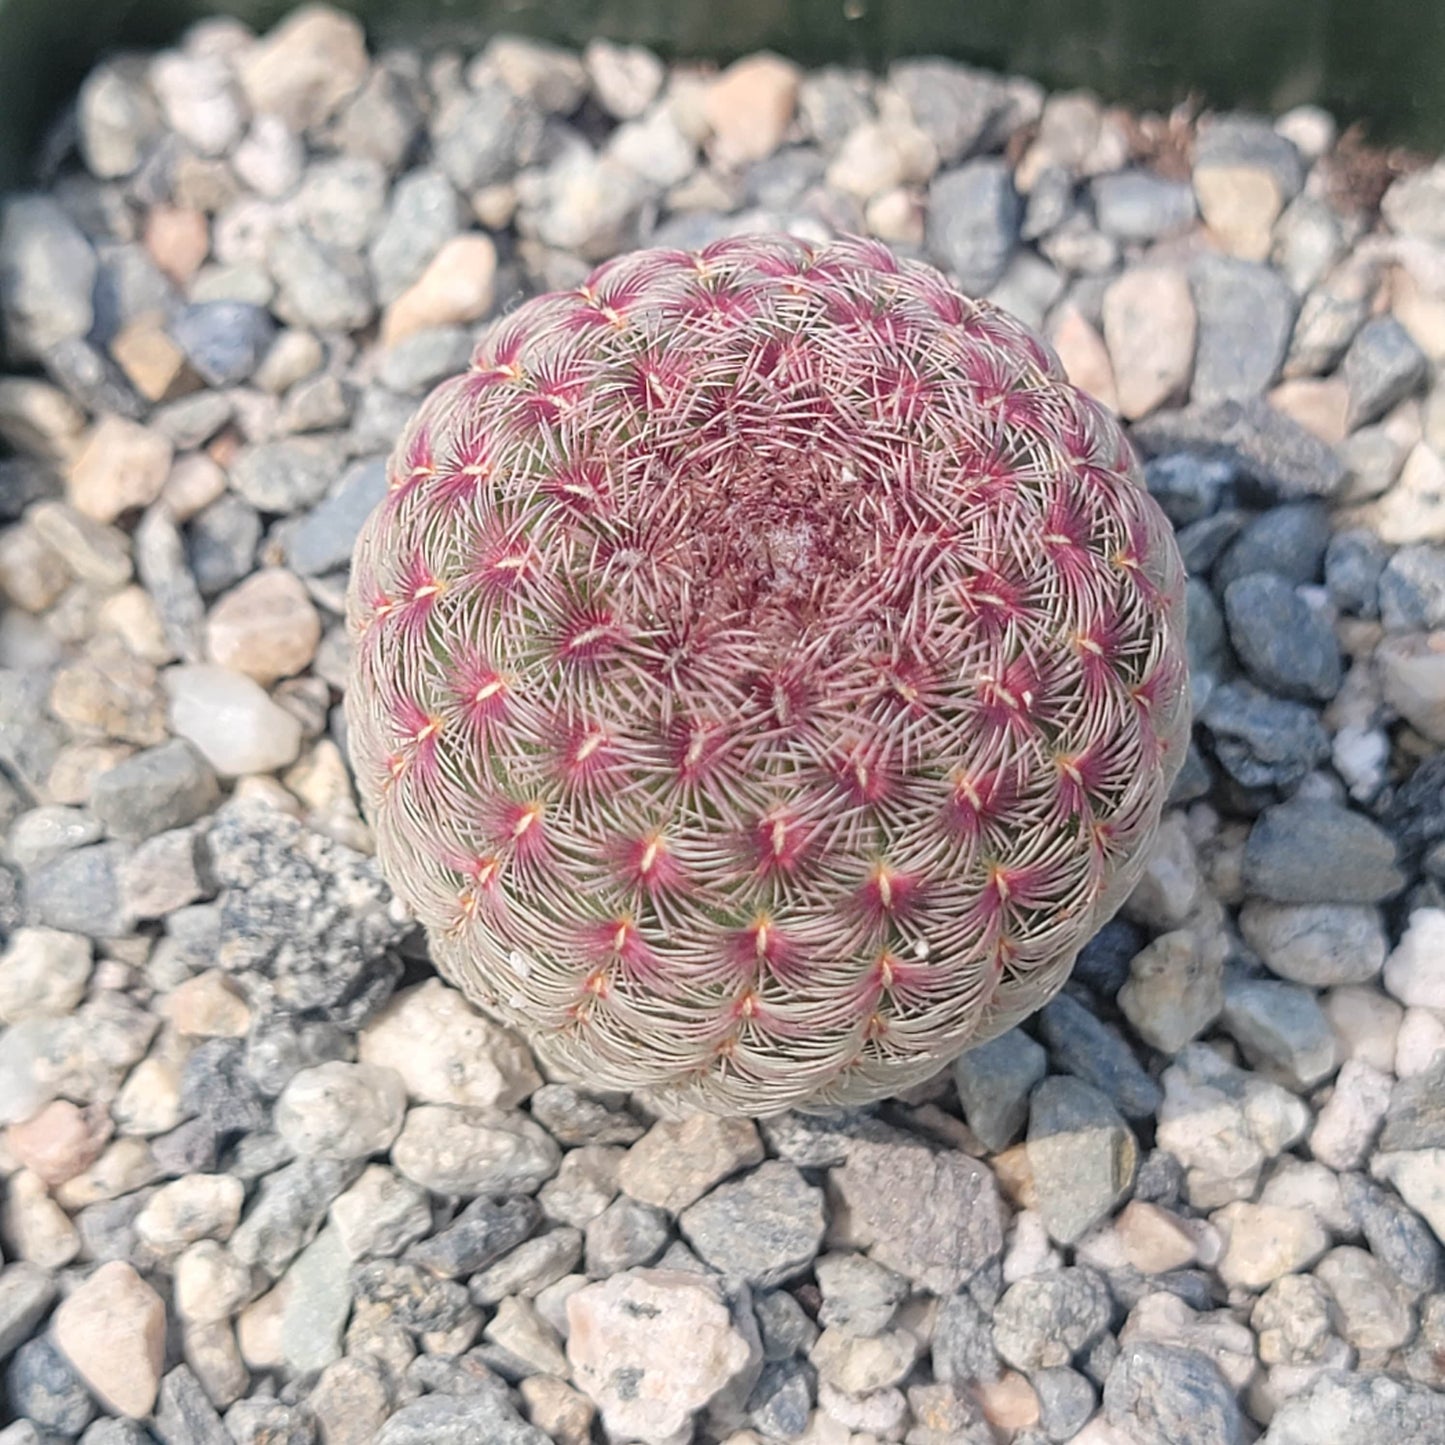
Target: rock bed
{"type": "Point", "coordinates": [266, 1180]}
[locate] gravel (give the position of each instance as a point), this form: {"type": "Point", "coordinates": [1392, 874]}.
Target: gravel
{"type": "Point", "coordinates": [267, 1179]}
{"type": "Point", "coordinates": [973, 223]}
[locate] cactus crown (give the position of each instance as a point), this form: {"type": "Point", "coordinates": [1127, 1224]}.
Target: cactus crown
{"type": "Point", "coordinates": [767, 671]}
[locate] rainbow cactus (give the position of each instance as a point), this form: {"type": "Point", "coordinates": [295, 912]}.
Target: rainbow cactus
{"type": "Point", "coordinates": [768, 673]}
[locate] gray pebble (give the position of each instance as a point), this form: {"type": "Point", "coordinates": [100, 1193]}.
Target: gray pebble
{"type": "Point", "coordinates": [124, 1432]}
{"type": "Point", "coordinates": [278, 1048]}
{"type": "Point", "coordinates": [1395, 1234]}
{"type": "Point", "coordinates": [1382, 367]}
{"type": "Point", "coordinates": [1286, 645]}
{"type": "Point", "coordinates": [832, 103]}
{"type": "Point", "coordinates": [1066, 1401]}
{"type": "Point", "coordinates": [480, 137]}
{"type": "Point", "coordinates": [1318, 852]}
{"type": "Point", "coordinates": [419, 361]}
{"type": "Point", "coordinates": [317, 1304]}
{"type": "Point", "coordinates": [1281, 1030]}
{"type": "Point", "coordinates": [41, 834]}
{"type": "Point", "coordinates": [625, 1234]}
{"type": "Point", "coordinates": [860, 1295]}
{"type": "Point", "coordinates": [459, 1420]}
{"type": "Point", "coordinates": [128, 285]}
{"type": "Point", "coordinates": [1246, 315]}
{"type": "Point", "coordinates": [91, 378]}
{"type": "Point", "coordinates": [1089, 1049]}
{"type": "Point", "coordinates": [221, 542]}
{"type": "Point", "coordinates": [191, 421]}
{"type": "Point", "coordinates": [783, 1323]}
{"type": "Point", "coordinates": [153, 790]}
{"type": "Point", "coordinates": [23, 1432]}
{"type": "Point", "coordinates": [43, 1387]}
{"type": "Point", "coordinates": [973, 223]}
{"type": "Point", "coordinates": [573, 1116]}
{"type": "Point", "coordinates": [956, 106]}
{"type": "Point", "coordinates": [1288, 541]}
{"type": "Point", "coordinates": [466, 1375]}
{"type": "Point", "coordinates": [183, 1414]}
{"type": "Point", "coordinates": [318, 403]}
{"type": "Point", "coordinates": [383, 119]}
{"type": "Point", "coordinates": [1202, 543]}
{"type": "Point", "coordinates": [1358, 1408]}
{"type": "Point", "coordinates": [307, 922]}
{"type": "Point", "coordinates": [1103, 962]}
{"type": "Point", "coordinates": [254, 1156]}
{"type": "Point", "coordinates": [781, 180]}
{"type": "Point", "coordinates": [341, 200]}
{"type": "Point", "coordinates": [262, 1421]}
{"type": "Point", "coordinates": [1415, 1118]}
{"type": "Point", "coordinates": [764, 1227]}
{"type": "Point", "coordinates": [1137, 205]}
{"type": "Point", "coordinates": [414, 1298]}
{"type": "Point", "coordinates": [160, 559]}
{"type": "Point", "coordinates": [1082, 1153]}
{"type": "Point", "coordinates": [782, 1401]}
{"type": "Point", "coordinates": [1051, 202]}
{"type": "Point", "coordinates": [1278, 460]}
{"type": "Point", "coordinates": [932, 1215]}
{"type": "Point", "coordinates": [225, 341]}
{"type": "Point", "coordinates": [1354, 560]}
{"type": "Point", "coordinates": [47, 276]}
{"type": "Point", "coordinates": [1209, 655]}
{"type": "Point", "coordinates": [1263, 741]}
{"type": "Point", "coordinates": [290, 1205]}
{"type": "Point", "coordinates": [963, 1347]}
{"type": "Point", "coordinates": [80, 891]}
{"type": "Point", "coordinates": [1164, 1394]}
{"type": "Point", "coordinates": [216, 1087]}
{"type": "Point", "coordinates": [378, 419]}
{"type": "Point", "coordinates": [284, 476]}
{"type": "Point", "coordinates": [24, 480]}
{"type": "Point", "coordinates": [1412, 589]}
{"type": "Point", "coordinates": [1187, 485]}
{"type": "Point", "coordinates": [107, 1229]}
{"type": "Point", "coordinates": [326, 535]}
{"type": "Point", "coordinates": [529, 1268]}
{"type": "Point", "coordinates": [1045, 1320]}
{"type": "Point", "coordinates": [26, 1292]}
{"type": "Point", "coordinates": [425, 213]}
{"type": "Point", "coordinates": [118, 118]}
{"type": "Point", "coordinates": [324, 288]}
{"type": "Point", "coordinates": [1251, 142]}
{"type": "Point", "coordinates": [483, 1232]}
{"type": "Point", "coordinates": [994, 1081]}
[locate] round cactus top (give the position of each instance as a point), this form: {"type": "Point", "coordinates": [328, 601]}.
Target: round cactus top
{"type": "Point", "coordinates": [768, 673]}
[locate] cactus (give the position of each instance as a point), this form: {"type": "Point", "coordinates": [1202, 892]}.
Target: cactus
{"type": "Point", "coordinates": [768, 673]}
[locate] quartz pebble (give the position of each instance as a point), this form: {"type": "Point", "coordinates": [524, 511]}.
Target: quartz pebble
{"type": "Point", "coordinates": [266, 628]}
{"type": "Point", "coordinates": [341, 1111]}
{"type": "Point", "coordinates": [43, 973]}
{"type": "Point", "coordinates": [230, 721]}
{"type": "Point", "coordinates": [445, 1052]}
{"type": "Point", "coordinates": [112, 1330]}
{"type": "Point", "coordinates": [454, 1150]}
{"type": "Point", "coordinates": [1415, 969]}
{"type": "Point", "coordinates": [623, 1332]}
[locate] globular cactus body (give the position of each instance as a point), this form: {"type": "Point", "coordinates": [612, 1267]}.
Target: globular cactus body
{"type": "Point", "coordinates": [768, 673]}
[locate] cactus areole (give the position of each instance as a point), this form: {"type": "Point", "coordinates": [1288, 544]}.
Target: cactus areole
{"type": "Point", "coordinates": [769, 671]}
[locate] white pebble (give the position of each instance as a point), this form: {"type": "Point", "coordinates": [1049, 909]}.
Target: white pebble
{"type": "Point", "coordinates": [230, 720]}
